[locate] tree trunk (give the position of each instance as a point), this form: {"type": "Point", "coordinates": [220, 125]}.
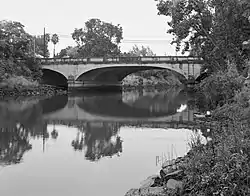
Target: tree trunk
{"type": "Point", "coordinates": [54, 49]}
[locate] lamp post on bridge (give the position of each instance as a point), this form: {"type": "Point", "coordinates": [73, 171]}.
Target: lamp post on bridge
{"type": "Point", "coordinates": [44, 42]}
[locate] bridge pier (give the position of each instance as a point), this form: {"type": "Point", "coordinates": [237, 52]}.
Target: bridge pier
{"type": "Point", "coordinates": [94, 85]}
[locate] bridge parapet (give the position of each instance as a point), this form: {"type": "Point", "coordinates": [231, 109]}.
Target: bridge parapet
{"type": "Point", "coordinates": [123, 60]}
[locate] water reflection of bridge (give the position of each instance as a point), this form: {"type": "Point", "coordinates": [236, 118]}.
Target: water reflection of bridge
{"type": "Point", "coordinates": [93, 110]}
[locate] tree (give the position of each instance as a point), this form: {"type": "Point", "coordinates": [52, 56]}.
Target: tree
{"type": "Point", "coordinates": [143, 51]}
{"type": "Point", "coordinates": [55, 40]}
{"type": "Point", "coordinates": [14, 41]}
{"type": "Point", "coordinates": [62, 53]}
{"type": "Point", "coordinates": [71, 52]}
{"type": "Point", "coordinates": [213, 29]}
{"type": "Point", "coordinates": [98, 39]}
{"type": "Point", "coordinates": [16, 44]}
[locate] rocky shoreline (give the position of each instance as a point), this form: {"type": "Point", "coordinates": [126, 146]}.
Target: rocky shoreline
{"type": "Point", "coordinates": [169, 179]}
{"type": "Point", "coordinates": [42, 90]}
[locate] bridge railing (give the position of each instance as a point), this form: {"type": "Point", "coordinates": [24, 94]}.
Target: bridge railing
{"type": "Point", "coordinates": [121, 60]}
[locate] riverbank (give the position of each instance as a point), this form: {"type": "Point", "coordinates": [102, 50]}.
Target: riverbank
{"type": "Point", "coordinates": [20, 86]}
{"type": "Point", "coordinates": [166, 182]}
{"type": "Point", "coordinates": [41, 90]}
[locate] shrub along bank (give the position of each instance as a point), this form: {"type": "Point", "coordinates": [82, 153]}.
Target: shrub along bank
{"type": "Point", "coordinates": [22, 79]}
{"type": "Point", "coordinates": [15, 86]}
{"type": "Point", "coordinates": [151, 78]}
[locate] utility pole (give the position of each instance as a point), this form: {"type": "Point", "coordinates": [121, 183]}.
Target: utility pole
{"type": "Point", "coordinates": [34, 46]}
{"type": "Point", "coordinates": [44, 40]}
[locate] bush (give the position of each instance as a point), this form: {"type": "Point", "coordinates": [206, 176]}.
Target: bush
{"type": "Point", "coordinates": [221, 87]}
{"type": "Point", "coordinates": [222, 167]}
{"type": "Point", "coordinates": [29, 69]}
{"type": "Point", "coordinates": [237, 110]}
{"type": "Point", "coordinates": [7, 67]}
{"type": "Point", "coordinates": [18, 82]}
{"type": "Point", "coordinates": [152, 78]}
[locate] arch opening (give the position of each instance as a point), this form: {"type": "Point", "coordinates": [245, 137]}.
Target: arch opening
{"type": "Point", "coordinates": [119, 73]}
{"type": "Point", "coordinates": [54, 78]}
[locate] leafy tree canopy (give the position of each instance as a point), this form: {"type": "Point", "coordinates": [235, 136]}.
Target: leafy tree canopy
{"type": "Point", "coordinates": [136, 51]}
{"type": "Point", "coordinates": [213, 29]}
{"type": "Point", "coordinates": [71, 52]}
{"type": "Point", "coordinates": [98, 38]}
{"type": "Point", "coordinates": [15, 44]}
{"type": "Point", "coordinates": [14, 41]}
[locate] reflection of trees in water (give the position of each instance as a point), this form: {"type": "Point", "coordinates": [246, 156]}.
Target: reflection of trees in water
{"type": "Point", "coordinates": [78, 142]}
{"type": "Point", "coordinates": [14, 143]}
{"type": "Point", "coordinates": [21, 120]}
{"type": "Point", "coordinates": [99, 140]}
{"type": "Point", "coordinates": [17, 131]}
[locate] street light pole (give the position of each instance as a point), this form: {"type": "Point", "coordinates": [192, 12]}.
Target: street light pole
{"type": "Point", "coordinates": [44, 40]}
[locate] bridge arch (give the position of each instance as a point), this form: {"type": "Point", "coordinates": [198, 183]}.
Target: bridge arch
{"type": "Point", "coordinates": [54, 78]}
{"type": "Point", "coordinates": [118, 73]}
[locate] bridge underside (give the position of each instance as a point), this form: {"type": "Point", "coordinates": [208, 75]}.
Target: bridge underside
{"type": "Point", "coordinates": [114, 73]}
{"type": "Point", "coordinates": [110, 77]}
{"type": "Point", "coordinates": [54, 78]}
{"type": "Point", "coordinates": [113, 76]}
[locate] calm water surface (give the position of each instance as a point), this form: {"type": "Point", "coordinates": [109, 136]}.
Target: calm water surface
{"type": "Point", "coordinates": [90, 144]}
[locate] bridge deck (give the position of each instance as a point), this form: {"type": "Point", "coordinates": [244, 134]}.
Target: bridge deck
{"type": "Point", "coordinates": [123, 60]}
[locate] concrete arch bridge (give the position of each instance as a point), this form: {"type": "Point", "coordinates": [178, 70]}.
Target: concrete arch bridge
{"type": "Point", "coordinates": [109, 72]}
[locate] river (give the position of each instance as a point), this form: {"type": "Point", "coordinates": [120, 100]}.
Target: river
{"type": "Point", "coordinates": [91, 143]}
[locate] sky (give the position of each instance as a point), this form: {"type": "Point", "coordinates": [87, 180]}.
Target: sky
{"type": "Point", "coordinates": [138, 18]}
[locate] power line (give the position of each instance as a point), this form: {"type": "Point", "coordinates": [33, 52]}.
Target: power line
{"type": "Point", "coordinates": [69, 36]}
{"type": "Point", "coordinates": [140, 40]}
{"type": "Point", "coordinates": [143, 41]}
{"type": "Point", "coordinates": [132, 40]}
